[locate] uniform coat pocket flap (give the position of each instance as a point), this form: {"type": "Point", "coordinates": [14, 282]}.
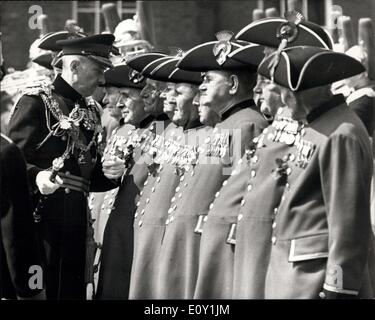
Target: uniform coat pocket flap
{"type": "Point", "coordinates": [309, 248]}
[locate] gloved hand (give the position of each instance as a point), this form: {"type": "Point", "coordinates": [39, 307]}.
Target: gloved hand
{"type": "Point", "coordinates": [45, 185]}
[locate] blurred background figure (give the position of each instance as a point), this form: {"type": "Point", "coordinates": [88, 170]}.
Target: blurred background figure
{"type": "Point", "coordinates": [18, 238]}
{"type": "Point", "coordinates": [127, 33]}
{"type": "Point", "coordinates": [6, 100]}
{"type": "Point", "coordinates": [362, 96]}
{"type": "Point", "coordinates": [36, 72]}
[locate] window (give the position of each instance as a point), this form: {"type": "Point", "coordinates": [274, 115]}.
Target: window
{"type": "Point", "coordinates": [89, 17]}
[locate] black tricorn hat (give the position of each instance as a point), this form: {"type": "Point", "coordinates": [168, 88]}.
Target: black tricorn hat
{"type": "Point", "coordinates": [265, 31]}
{"type": "Point", "coordinates": [123, 76]}
{"type": "Point", "coordinates": [212, 55]}
{"type": "Point", "coordinates": [96, 47]}
{"type": "Point", "coordinates": [168, 72]}
{"type": "Point", "coordinates": [139, 62]}
{"type": "Point", "coordinates": [305, 67]}
{"type": "Point", "coordinates": [251, 55]}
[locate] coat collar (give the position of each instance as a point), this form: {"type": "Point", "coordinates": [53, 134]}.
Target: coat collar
{"type": "Point", "coordinates": [162, 117]}
{"type": "Point", "coordinates": [319, 111]}
{"type": "Point", "coordinates": [231, 109]}
{"type": "Point", "coordinates": [64, 89]}
{"type": "Point", "coordinates": [146, 121]}
{"type": "Point", "coordinates": [193, 125]}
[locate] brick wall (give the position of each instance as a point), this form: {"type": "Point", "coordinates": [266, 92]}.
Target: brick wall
{"type": "Point", "coordinates": [168, 23]}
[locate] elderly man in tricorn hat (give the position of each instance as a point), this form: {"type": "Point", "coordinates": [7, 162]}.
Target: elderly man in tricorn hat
{"type": "Point", "coordinates": [57, 127]}
{"type": "Point", "coordinates": [226, 106]}
{"type": "Point", "coordinates": [269, 32]}
{"type": "Point", "coordinates": [311, 237]}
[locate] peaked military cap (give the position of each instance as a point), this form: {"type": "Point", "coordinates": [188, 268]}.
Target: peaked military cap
{"type": "Point", "coordinates": [212, 55]}
{"type": "Point", "coordinates": [96, 47]}
{"type": "Point", "coordinates": [305, 67]}
{"type": "Point", "coordinates": [251, 55]}
{"type": "Point", "coordinates": [123, 76]}
{"type": "Point", "coordinates": [45, 60]}
{"type": "Point", "coordinates": [48, 42]}
{"type": "Point", "coordinates": [267, 32]}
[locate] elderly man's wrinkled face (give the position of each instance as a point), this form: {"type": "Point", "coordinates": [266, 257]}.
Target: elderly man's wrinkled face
{"type": "Point", "coordinates": [132, 106]}
{"type": "Point", "coordinates": [271, 100]}
{"type": "Point", "coordinates": [290, 99]}
{"type": "Point", "coordinates": [168, 107]}
{"type": "Point", "coordinates": [267, 95]}
{"type": "Point", "coordinates": [89, 76]}
{"type": "Point", "coordinates": [258, 90]}
{"type": "Point", "coordinates": [180, 99]}
{"type": "Point", "coordinates": [151, 96]}
{"type": "Point", "coordinates": [214, 95]}
{"type": "Point", "coordinates": [110, 100]}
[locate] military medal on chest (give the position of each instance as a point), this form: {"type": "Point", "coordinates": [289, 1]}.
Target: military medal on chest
{"type": "Point", "coordinates": [305, 151]}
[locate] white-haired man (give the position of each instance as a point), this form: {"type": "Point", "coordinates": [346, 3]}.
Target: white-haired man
{"type": "Point", "coordinates": [62, 122]}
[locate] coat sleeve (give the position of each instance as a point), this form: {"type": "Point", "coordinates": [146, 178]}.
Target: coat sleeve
{"type": "Point", "coordinates": [345, 169]}
{"type": "Point", "coordinates": [98, 181]}
{"type": "Point", "coordinates": [17, 226]}
{"type": "Point", "coordinates": [244, 133]}
{"type": "Point", "coordinates": [25, 130]}
{"type": "Point", "coordinates": [365, 110]}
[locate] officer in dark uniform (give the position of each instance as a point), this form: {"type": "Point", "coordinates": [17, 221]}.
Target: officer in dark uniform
{"type": "Point", "coordinates": [18, 240]}
{"type": "Point", "coordinates": [58, 126]}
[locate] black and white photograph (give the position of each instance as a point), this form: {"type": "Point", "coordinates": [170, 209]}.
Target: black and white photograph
{"type": "Point", "coordinates": [188, 154]}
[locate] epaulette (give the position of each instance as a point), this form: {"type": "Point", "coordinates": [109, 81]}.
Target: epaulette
{"type": "Point", "coordinates": [32, 90]}
{"type": "Point", "coordinates": [36, 90]}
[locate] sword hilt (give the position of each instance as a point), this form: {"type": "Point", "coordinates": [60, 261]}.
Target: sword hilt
{"type": "Point", "coordinates": [57, 165]}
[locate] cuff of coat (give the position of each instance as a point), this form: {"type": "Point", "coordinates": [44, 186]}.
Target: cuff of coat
{"type": "Point", "coordinates": [29, 293]}
{"type": "Point", "coordinates": [32, 173]}
{"type": "Point", "coordinates": [331, 292]}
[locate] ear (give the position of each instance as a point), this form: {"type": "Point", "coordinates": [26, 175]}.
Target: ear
{"type": "Point", "coordinates": [74, 66]}
{"type": "Point", "coordinates": [234, 83]}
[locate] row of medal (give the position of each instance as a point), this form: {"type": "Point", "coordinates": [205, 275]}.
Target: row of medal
{"type": "Point", "coordinates": [290, 132]}
{"type": "Point", "coordinates": [164, 150]}
{"type": "Point", "coordinates": [217, 145]}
